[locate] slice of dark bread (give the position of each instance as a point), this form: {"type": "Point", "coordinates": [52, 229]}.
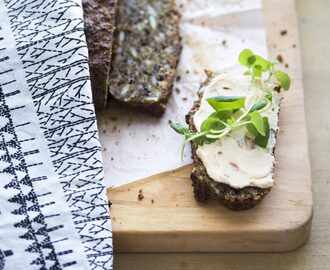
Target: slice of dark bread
{"type": "Point", "coordinates": [99, 27]}
{"type": "Point", "coordinates": [206, 188]}
{"type": "Point", "coordinates": [146, 53]}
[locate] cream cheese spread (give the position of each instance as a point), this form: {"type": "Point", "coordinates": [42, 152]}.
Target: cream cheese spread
{"type": "Point", "coordinates": [234, 159]}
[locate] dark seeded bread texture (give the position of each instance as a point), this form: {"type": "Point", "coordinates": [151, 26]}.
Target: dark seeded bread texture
{"type": "Point", "coordinates": [146, 53]}
{"type": "Point", "coordinates": [99, 27]}
{"type": "Point", "coordinates": [205, 188]}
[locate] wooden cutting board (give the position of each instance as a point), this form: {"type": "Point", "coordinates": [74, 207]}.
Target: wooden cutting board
{"type": "Point", "coordinates": [168, 219]}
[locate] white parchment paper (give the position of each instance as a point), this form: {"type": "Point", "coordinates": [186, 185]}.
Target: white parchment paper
{"type": "Point", "coordinates": [213, 32]}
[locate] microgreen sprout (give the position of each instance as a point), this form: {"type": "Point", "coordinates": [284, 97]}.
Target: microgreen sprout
{"type": "Point", "coordinates": [230, 112]}
{"type": "Point", "coordinates": [258, 67]}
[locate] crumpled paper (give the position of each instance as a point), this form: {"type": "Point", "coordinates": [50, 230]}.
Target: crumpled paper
{"type": "Point", "coordinates": [136, 145]}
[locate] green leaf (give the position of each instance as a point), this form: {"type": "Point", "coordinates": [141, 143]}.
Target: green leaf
{"type": "Point", "coordinates": [261, 140]}
{"type": "Point", "coordinates": [246, 73]}
{"type": "Point", "coordinates": [251, 60]}
{"type": "Point", "coordinates": [269, 96]}
{"type": "Point", "coordinates": [202, 140]}
{"type": "Point", "coordinates": [259, 105]}
{"type": "Point", "coordinates": [283, 79]}
{"type": "Point", "coordinates": [223, 115]}
{"type": "Point", "coordinates": [263, 63]}
{"type": "Point", "coordinates": [250, 127]}
{"type": "Point", "coordinates": [258, 122]}
{"type": "Point", "coordinates": [246, 58]}
{"type": "Point", "coordinates": [226, 102]}
{"type": "Point", "coordinates": [180, 129]}
{"type": "Point", "coordinates": [257, 71]}
{"type": "Point", "coordinates": [225, 98]}
{"type": "Point", "coordinates": [212, 123]}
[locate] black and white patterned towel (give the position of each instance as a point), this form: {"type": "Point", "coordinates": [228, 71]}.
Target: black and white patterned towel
{"type": "Point", "coordinates": [53, 207]}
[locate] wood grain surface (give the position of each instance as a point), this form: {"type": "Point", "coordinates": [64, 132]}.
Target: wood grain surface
{"type": "Point", "coordinates": [168, 219]}
{"type": "Point", "coordinates": [314, 255]}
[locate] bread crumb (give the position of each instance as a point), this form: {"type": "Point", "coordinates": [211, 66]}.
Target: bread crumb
{"type": "Point", "coordinates": [283, 32]}
{"type": "Point", "coordinates": [140, 195]}
{"type": "Point", "coordinates": [184, 98]}
{"type": "Point", "coordinates": [286, 65]}
{"type": "Point", "coordinates": [279, 58]}
{"type": "Point", "coordinates": [178, 78]}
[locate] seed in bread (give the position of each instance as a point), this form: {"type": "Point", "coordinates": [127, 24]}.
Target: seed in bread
{"type": "Point", "coordinates": [146, 52]}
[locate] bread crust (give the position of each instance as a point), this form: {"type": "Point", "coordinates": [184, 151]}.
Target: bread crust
{"type": "Point", "coordinates": [99, 26]}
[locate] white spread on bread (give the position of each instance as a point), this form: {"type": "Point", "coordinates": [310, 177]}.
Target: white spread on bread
{"type": "Point", "coordinates": [234, 159]}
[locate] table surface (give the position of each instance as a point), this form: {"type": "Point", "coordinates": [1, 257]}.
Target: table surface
{"type": "Point", "coordinates": [314, 23]}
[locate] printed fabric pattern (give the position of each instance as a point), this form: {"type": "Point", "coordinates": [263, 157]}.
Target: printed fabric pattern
{"type": "Point", "coordinates": [54, 211]}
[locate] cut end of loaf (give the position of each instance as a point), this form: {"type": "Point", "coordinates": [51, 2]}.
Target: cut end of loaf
{"type": "Point", "coordinates": [146, 53]}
